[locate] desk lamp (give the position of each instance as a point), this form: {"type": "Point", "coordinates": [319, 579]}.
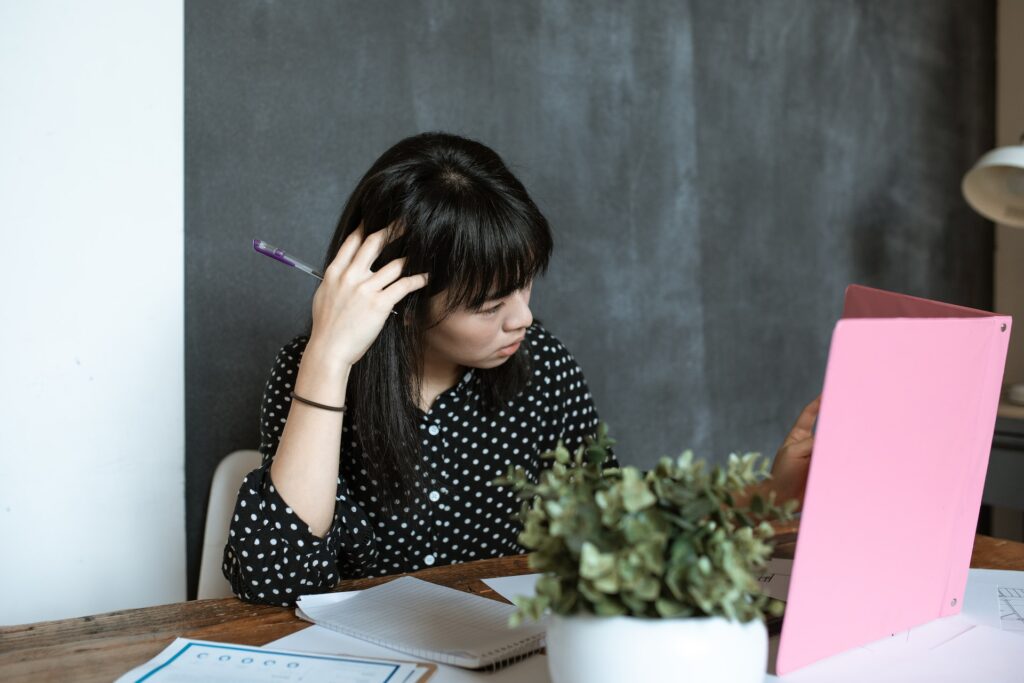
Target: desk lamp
{"type": "Point", "coordinates": [995, 189]}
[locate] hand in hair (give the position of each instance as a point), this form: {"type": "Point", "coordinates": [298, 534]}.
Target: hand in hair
{"type": "Point", "coordinates": [353, 302]}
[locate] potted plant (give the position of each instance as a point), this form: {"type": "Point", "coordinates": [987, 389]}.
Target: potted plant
{"type": "Point", "coordinates": [648, 576]}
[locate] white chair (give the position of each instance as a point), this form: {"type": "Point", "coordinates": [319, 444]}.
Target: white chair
{"type": "Point", "coordinates": [227, 479]}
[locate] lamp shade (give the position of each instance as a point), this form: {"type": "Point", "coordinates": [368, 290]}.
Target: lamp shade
{"type": "Point", "coordinates": [995, 186]}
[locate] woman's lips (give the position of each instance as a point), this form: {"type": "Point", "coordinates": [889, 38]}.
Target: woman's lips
{"type": "Point", "coordinates": [511, 348]}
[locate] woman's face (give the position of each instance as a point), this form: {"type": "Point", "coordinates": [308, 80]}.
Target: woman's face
{"type": "Point", "coordinates": [476, 338]}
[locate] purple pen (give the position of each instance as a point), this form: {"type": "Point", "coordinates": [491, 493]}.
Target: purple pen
{"type": "Point", "coordinates": [285, 258]}
{"type": "Point", "coordinates": [289, 260]}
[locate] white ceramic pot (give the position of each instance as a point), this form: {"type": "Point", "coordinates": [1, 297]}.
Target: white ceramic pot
{"type": "Point", "coordinates": [591, 649]}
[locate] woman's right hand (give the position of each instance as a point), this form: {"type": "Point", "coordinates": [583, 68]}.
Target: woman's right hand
{"type": "Point", "coordinates": [352, 303]}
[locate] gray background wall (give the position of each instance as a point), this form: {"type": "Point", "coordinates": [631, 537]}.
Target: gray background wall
{"type": "Point", "coordinates": [715, 173]}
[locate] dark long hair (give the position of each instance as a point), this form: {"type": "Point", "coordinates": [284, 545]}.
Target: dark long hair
{"type": "Point", "coordinates": [471, 225]}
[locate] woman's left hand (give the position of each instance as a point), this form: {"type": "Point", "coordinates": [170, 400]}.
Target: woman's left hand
{"type": "Point", "coordinates": [789, 471]}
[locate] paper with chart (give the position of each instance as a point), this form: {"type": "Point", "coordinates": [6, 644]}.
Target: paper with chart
{"type": "Point", "coordinates": [188, 660]}
{"type": "Point", "coordinates": [1011, 608]}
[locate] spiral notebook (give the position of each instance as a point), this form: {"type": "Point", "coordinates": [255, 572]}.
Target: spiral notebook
{"type": "Point", "coordinates": [433, 622]}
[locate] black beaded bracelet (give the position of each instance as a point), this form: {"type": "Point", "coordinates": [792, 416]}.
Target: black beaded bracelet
{"type": "Point", "coordinates": [318, 405]}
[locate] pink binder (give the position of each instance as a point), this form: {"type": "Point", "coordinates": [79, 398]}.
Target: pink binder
{"type": "Point", "coordinates": [894, 489]}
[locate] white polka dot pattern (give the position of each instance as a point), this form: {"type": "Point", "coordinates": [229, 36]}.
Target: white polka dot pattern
{"type": "Point", "coordinates": [272, 556]}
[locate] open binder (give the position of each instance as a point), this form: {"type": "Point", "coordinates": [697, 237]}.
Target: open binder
{"type": "Point", "coordinates": [901, 448]}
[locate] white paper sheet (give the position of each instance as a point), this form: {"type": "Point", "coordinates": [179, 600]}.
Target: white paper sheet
{"type": "Point", "coordinates": [510, 587]}
{"type": "Point", "coordinates": [319, 600]}
{"type": "Point", "coordinates": [774, 580]}
{"type": "Point", "coordinates": [981, 597]}
{"type": "Point", "coordinates": [944, 650]}
{"type": "Point", "coordinates": [1011, 608]}
{"type": "Point", "coordinates": [199, 661]}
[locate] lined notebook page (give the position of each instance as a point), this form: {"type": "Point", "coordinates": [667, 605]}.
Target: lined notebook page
{"type": "Point", "coordinates": [433, 622]}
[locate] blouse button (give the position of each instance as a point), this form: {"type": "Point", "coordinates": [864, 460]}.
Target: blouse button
{"type": "Point", "coordinates": [434, 429]}
{"type": "Point", "coordinates": [428, 560]}
{"type": "Point", "coordinates": [434, 496]}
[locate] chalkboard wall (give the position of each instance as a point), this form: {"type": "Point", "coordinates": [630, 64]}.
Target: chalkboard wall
{"type": "Point", "coordinates": [715, 174]}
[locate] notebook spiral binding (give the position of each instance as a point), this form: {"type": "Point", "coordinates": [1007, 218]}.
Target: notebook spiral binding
{"type": "Point", "coordinates": [509, 661]}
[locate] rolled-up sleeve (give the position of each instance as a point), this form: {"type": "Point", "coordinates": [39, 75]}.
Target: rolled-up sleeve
{"type": "Point", "coordinates": [272, 556]}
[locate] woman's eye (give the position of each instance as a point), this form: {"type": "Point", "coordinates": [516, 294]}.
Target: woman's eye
{"type": "Point", "coordinates": [492, 311]}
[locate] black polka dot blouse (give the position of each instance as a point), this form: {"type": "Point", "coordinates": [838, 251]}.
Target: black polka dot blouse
{"type": "Point", "coordinates": [272, 556]}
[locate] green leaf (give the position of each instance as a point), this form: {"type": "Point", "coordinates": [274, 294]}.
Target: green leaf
{"type": "Point", "coordinates": [594, 563]}
{"type": "Point", "coordinates": [669, 608]}
{"type": "Point", "coordinates": [635, 494]}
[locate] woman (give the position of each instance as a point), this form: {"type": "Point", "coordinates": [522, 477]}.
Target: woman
{"type": "Point", "coordinates": [422, 377]}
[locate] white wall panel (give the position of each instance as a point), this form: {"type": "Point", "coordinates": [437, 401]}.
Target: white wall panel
{"type": "Point", "coordinates": [91, 214]}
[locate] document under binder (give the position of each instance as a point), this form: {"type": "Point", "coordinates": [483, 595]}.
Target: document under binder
{"type": "Point", "coordinates": [901, 449]}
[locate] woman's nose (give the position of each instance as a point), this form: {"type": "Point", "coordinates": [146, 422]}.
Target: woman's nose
{"type": "Point", "coordinates": [520, 316]}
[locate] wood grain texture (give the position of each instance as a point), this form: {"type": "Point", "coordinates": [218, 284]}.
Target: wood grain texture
{"type": "Point", "coordinates": [104, 646]}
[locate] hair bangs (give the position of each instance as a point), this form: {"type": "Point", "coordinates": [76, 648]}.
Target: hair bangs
{"type": "Point", "coordinates": [500, 251]}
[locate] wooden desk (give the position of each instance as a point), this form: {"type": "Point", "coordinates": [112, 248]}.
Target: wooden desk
{"type": "Point", "coordinates": [104, 646]}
